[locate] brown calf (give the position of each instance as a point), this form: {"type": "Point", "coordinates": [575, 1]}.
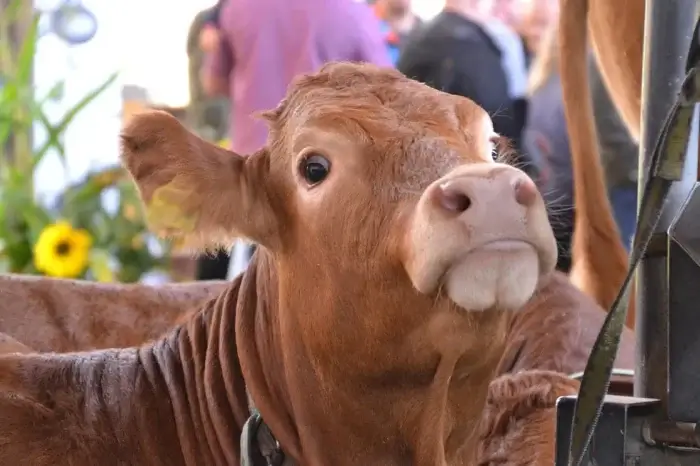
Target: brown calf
{"type": "Point", "coordinates": [400, 271]}
{"type": "Point", "coordinates": [71, 315]}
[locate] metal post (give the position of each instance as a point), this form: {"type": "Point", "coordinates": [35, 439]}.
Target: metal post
{"type": "Point", "coordinates": [667, 32]}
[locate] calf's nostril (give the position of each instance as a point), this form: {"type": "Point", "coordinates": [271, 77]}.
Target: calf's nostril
{"type": "Point", "coordinates": [525, 191]}
{"type": "Point", "coordinates": [453, 200]}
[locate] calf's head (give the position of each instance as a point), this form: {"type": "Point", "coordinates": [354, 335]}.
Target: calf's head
{"type": "Point", "coordinates": [391, 227]}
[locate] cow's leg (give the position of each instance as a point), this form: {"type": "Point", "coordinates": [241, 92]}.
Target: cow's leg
{"type": "Point", "coordinates": [519, 423]}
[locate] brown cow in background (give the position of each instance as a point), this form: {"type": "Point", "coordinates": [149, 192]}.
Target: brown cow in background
{"type": "Point", "coordinates": [617, 31]}
{"type": "Point", "coordinates": [391, 314]}
{"type": "Point", "coordinates": [49, 314]}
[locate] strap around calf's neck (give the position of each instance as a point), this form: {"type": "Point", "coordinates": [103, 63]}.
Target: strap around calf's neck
{"type": "Point", "coordinates": [259, 447]}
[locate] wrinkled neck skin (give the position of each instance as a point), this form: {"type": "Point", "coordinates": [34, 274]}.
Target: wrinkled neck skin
{"type": "Point", "coordinates": [403, 387]}
{"type": "Point", "coordinates": [201, 372]}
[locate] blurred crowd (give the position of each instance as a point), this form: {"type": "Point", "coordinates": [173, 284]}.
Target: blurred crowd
{"type": "Point", "coordinates": [502, 54]}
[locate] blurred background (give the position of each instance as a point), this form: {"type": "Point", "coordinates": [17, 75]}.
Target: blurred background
{"type": "Point", "coordinates": [72, 72]}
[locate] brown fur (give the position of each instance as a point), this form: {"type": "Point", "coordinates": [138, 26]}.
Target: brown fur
{"type": "Point", "coordinates": [616, 29]}
{"type": "Point", "coordinates": [519, 419]}
{"type": "Point", "coordinates": [346, 361]}
{"type": "Point", "coordinates": [72, 315]}
{"type": "Point", "coordinates": [10, 345]}
{"type": "Point", "coordinates": [617, 37]}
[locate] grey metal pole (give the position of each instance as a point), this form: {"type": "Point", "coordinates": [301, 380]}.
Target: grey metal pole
{"type": "Point", "coordinates": [668, 30]}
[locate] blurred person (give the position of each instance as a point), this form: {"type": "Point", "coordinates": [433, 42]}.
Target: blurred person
{"type": "Point", "coordinates": [536, 17]}
{"type": "Point", "coordinates": [528, 18]}
{"type": "Point", "coordinates": [209, 33]}
{"type": "Point", "coordinates": [502, 10]}
{"type": "Point", "coordinates": [546, 144]}
{"type": "Point", "coordinates": [508, 12]}
{"type": "Point", "coordinates": [397, 21]}
{"type": "Point", "coordinates": [264, 44]}
{"type": "Point", "coordinates": [206, 116]}
{"type": "Point", "coordinates": [267, 43]}
{"type": "Point", "coordinates": [464, 51]}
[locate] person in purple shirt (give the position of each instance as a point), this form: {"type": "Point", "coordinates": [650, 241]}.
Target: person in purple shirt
{"type": "Point", "coordinates": [264, 44]}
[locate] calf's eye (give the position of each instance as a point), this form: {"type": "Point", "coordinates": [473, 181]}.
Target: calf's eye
{"type": "Point", "coordinates": [314, 168]}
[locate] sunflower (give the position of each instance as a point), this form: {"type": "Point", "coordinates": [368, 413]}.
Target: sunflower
{"type": "Point", "coordinates": [62, 251]}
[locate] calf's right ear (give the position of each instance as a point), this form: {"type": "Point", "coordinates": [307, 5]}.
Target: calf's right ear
{"type": "Point", "coordinates": [192, 188]}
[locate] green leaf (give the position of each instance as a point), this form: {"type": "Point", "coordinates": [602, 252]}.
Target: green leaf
{"type": "Point", "coordinates": [25, 60]}
{"type": "Point", "coordinates": [68, 118]}
{"type": "Point", "coordinates": [16, 94]}
{"type": "Point", "coordinates": [55, 94]}
{"type": "Point", "coordinates": [53, 134]}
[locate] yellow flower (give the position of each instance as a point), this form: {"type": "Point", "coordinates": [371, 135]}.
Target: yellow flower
{"type": "Point", "coordinates": [225, 143]}
{"type": "Point", "coordinates": [62, 251]}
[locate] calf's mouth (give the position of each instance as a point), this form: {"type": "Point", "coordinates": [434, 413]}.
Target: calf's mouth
{"type": "Point", "coordinates": [481, 235]}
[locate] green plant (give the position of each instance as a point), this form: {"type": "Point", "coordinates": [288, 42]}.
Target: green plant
{"type": "Point", "coordinates": [119, 240]}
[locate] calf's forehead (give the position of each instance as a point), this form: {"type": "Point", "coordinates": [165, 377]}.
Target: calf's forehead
{"type": "Point", "coordinates": [414, 131]}
{"type": "Point", "coordinates": [402, 108]}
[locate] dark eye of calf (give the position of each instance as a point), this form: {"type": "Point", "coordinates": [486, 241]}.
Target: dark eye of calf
{"type": "Point", "coordinates": [314, 168]}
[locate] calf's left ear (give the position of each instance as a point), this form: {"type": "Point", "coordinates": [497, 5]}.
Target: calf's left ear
{"type": "Point", "coordinates": [194, 189]}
